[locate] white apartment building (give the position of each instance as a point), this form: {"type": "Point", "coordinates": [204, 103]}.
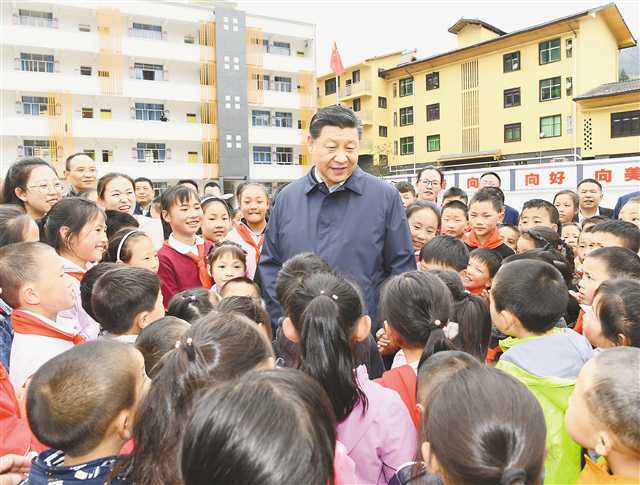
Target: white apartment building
{"type": "Point", "coordinates": [161, 89]}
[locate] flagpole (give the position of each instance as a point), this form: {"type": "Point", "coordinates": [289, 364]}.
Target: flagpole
{"type": "Point", "coordinates": [338, 90]}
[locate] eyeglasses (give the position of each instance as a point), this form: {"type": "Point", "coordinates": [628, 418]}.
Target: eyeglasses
{"type": "Point", "coordinates": [44, 187]}
{"type": "Point", "coordinates": [430, 183]}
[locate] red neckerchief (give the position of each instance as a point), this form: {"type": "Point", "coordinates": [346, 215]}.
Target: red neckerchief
{"type": "Point", "coordinates": [200, 261]}
{"type": "Point", "coordinates": [76, 274]}
{"type": "Point", "coordinates": [27, 324]}
{"type": "Point", "coordinates": [493, 242]}
{"type": "Point", "coordinates": [246, 236]}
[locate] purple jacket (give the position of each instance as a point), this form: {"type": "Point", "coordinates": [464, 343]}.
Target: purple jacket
{"type": "Point", "coordinates": [382, 439]}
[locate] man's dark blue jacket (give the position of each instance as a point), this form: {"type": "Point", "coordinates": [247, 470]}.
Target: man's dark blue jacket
{"type": "Point", "coordinates": [360, 229]}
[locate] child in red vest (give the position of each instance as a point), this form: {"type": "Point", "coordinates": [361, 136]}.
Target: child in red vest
{"type": "Point", "coordinates": [183, 258]}
{"type": "Point", "coordinates": [34, 283]}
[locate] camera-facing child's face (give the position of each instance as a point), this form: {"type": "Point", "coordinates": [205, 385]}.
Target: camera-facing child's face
{"type": "Point", "coordinates": [484, 218]}
{"type": "Point", "coordinates": [254, 204]}
{"type": "Point", "coordinates": [225, 268]}
{"type": "Point", "coordinates": [454, 222]}
{"type": "Point", "coordinates": [51, 289]}
{"type": "Point", "coordinates": [509, 236]}
{"type": "Point", "coordinates": [570, 236]}
{"type": "Point", "coordinates": [581, 424]}
{"type": "Point", "coordinates": [535, 216]}
{"type": "Point", "coordinates": [476, 275]}
{"type": "Point", "coordinates": [407, 198]}
{"type": "Point", "coordinates": [423, 224]}
{"type": "Point", "coordinates": [216, 222]}
{"type": "Point", "coordinates": [143, 254]}
{"type": "Point", "coordinates": [594, 272]}
{"type": "Point", "coordinates": [184, 217]}
{"type": "Point", "coordinates": [631, 213]}
{"type": "Point", "coordinates": [566, 209]}
{"type": "Point", "coordinates": [92, 241]}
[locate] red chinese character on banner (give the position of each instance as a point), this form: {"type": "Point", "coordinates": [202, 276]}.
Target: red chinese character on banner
{"type": "Point", "coordinates": [556, 178]}
{"type": "Point", "coordinates": [603, 175]}
{"type": "Point", "coordinates": [473, 182]}
{"type": "Point", "coordinates": [631, 173]}
{"type": "Point", "coordinates": [532, 179]}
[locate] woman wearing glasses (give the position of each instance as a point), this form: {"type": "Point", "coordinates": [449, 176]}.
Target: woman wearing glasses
{"type": "Point", "coordinates": [32, 184]}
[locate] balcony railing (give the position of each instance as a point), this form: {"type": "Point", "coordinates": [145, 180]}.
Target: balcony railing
{"type": "Point", "coordinates": [51, 23]}
{"type": "Point", "coordinates": [148, 34]}
{"type": "Point", "coordinates": [356, 89]}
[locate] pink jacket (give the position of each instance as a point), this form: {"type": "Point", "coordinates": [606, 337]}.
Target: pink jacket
{"type": "Point", "coordinates": [383, 438]}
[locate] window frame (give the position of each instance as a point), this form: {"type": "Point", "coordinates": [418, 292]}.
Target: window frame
{"type": "Point", "coordinates": [512, 126]}
{"type": "Point", "coordinates": [285, 153]}
{"type": "Point", "coordinates": [33, 102]}
{"type": "Point", "coordinates": [433, 138]}
{"type": "Point", "coordinates": [149, 111]}
{"type": "Point", "coordinates": [510, 57]}
{"type": "Point", "coordinates": [432, 80]}
{"type": "Point", "coordinates": [405, 142]}
{"type": "Point", "coordinates": [355, 76]}
{"type": "Point", "coordinates": [404, 115]}
{"type": "Point", "coordinates": [158, 151]}
{"type": "Point", "coordinates": [633, 114]}
{"type": "Point", "coordinates": [550, 88]}
{"type": "Point", "coordinates": [331, 84]}
{"type": "Point", "coordinates": [510, 93]}
{"type": "Point", "coordinates": [260, 115]}
{"type": "Point", "coordinates": [542, 118]}
{"type": "Point", "coordinates": [259, 155]}
{"type": "Point", "coordinates": [382, 100]}
{"type": "Point", "coordinates": [383, 129]}
{"type": "Point", "coordinates": [283, 119]}
{"type": "Point", "coordinates": [430, 110]}
{"type": "Point", "coordinates": [405, 87]}
{"type": "Point", "coordinates": [548, 48]}
{"type": "Point", "coordinates": [358, 102]}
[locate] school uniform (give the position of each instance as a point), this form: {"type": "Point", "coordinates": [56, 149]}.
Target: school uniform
{"type": "Point", "coordinates": [597, 473]}
{"type": "Point", "coordinates": [494, 243]}
{"type": "Point", "coordinates": [36, 340]}
{"type": "Point", "coordinates": [404, 380]}
{"type": "Point", "coordinates": [48, 469]}
{"type": "Point", "coordinates": [77, 315]}
{"type": "Point", "coordinates": [250, 241]}
{"type": "Point", "coordinates": [183, 266]}
{"type": "Point", "coordinates": [383, 438]}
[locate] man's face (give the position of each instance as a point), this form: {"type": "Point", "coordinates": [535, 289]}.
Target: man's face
{"type": "Point", "coordinates": [82, 173]}
{"type": "Point", "coordinates": [335, 153]}
{"type": "Point", "coordinates": [489, 180]}
{"type": "Point", "coordinates": [590, 196]}
{"type": "Point", "coordinates": [429, 185]}
{"type": "Point", "coordinates": [144, 192]}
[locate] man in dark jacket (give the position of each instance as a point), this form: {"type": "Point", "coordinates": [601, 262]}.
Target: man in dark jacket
{"type": "Point", "coordinates": [353, 220]}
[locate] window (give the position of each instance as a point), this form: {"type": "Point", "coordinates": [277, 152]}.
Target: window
{"type": "Point", "coordinates": [262, 155]}
{"type": "Point", "coordinates": [568, 47]}
{"type": "Point", "coordinates": [35, 105]}
{"type": "Point", "coordinates": [189, 39]}
{"type": "Point", "coordinates": [260, 118]}
{"type": "Point", "coordinates": [395, 90]}
{"type": "Point", "coordinates": [85, 70]}
{"type": "Point", "coordinates": [406, 145]}
{"type": "Point", "coordinates": [284, 155]}
{"type": "Point", "coordinates": [433, 143]}
{"type": "Point", "coordinates": [550, 126]}
{"type": "Point", "coordinates": [382, 131]}
{"type": "Point", "coordinates": [433, 81]}
{"type": "Point", "coordinates": [406, 116]}
{"type": "Point", "coordinates": [395, 147]}
{"type": "Point", "coordinates": [148, 72]}
{"type": "Point", "coordinates": [549, 51]}
{"type": "Point", "coordinates": [84, 28]}
{"type": "Point", "coordinates": [87, 112]}
{"type": "Point", "coordinates": [36, 18]}
{"type": "Point", "coordinates": [355, 76]}
{"type": "Point", "coordinates": [568, 83]}
{"type": "Point", "coordinates": [511, 62]}
{"type": "Point", "coordinates": [192, 157]}
{"type": "Point", "coordinates": [550, 89]}
{"type": "Point", "coordinates": [262, 81]}
{"type": "Point", "coordinates": [626, 123]}
{"type": "Point", "coordinates": [282, 84]}
{"type": "Point", "coordinates": [146, 31]}
{"type": "Point", "coordinates": [330, 86]}
{"type": "Point", "coordinates": [512, 132]}
{"type": "Point", "coordinates": [104, 74]}
{"type": "Point", "coordinates": [433, 112]}
{"type": "Point", "coordinates": [406, 87]}
{"type": "Point", "coordinates": [357, 105]}
{"type": "Point", "coordinates": [281, 48]}
{"type": "Point", "coordinates": [149, 111]}
{"type": "Point", "coordinates": [283, 120]}
{"type": "Point", "coordinates": [91, 153]}
{"type": "Point", "coordinates": [395, 118]}
{"type": "Point", "coordinates": [382, 102]}
{"type": "Point", "coordinates": [36, 62]}
{"type": "Point", "coordinates": [381, 72]}
{"type": "Point", "coordinates": [191, 118]}
{"type": "Point", "coordinates": [105, 114]}
{"type": "Point", "coordinates": [511, 97]}
{"type": "Point", "coordinates": [40, 148]}
{"type": "Point", "coordinates": [151, 152]}
{"type": "Point", "coordinates": [107, 156]}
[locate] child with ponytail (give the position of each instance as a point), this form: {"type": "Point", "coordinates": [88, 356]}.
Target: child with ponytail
{"type": "Point", "coordinates": [324, 314]}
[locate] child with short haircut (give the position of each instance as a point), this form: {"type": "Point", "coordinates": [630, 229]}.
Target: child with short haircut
{"type": "Point", "coordinates": [586, 244]}
{"type": "Point", "coordinates": [454, 219]}
{"type": "Point", "coordinates": [423, 218]}
{"type": "Point", "coordinates": [89, 281]}
{"type": "Point", "coordinates": [527, 299]}
{"type": "Point", "coordinates": [82, 404]}
{"type": "Point", "coordinates": [183, 258]}
{"type": "Point", "coordinates": [35, 285]}
{"type": "Point", "coordinates": [241, 286]}
{"type": "Point", "coordinates": [539, 212]}
{"type": "Point", "coordinates": [486, 209]}
{"type": "Point", "coordinates": [407, 193]}
{"type": "Point", "coordinates": [603, 417]}
{"type": "Point", "coordinates": [444, 252]}
{"type": "Point", "coordinates": [157, 339]}
{"type": "Point", "coordinates": [483, 266]}
{"type": "Point", "coordinates": [570, 234]}
{"type": "Point", "coordinates": [416, 308]}
{"type": "Point", "coordinates": [191, 305]}
{"type": "Point", "coordinates": [614, 319]}
{"type": "Point", "coordinates": [134, 248]}
{"type": "Point", "coordinates": [617, 233]}
{"type": "Point", "coordinates": [510, 235]}
{"type": "Point", "coordinates": [454, 194]}
{"type": "Point", "coordinates": [227, 261]}
{"type": "Point", "coordinates": [250, 308]}
{"type": "Point", "coordinates": [76, 229]}
{"type": "Point", "coordinates": [125, 300]}
{"type": "Point", "coordinates": [592, 221]}
{"type": "Point", "coordinates": [630, 211]}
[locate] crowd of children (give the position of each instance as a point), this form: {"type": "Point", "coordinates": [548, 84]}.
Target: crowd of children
{"type": "Point", "coordinates": [137, 349]}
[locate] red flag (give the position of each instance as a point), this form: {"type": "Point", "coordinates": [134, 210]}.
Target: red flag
{"type": "Point", "coordinates": [336, 62]}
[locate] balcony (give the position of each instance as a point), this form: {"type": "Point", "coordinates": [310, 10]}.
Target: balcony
{"type": "Point", "coordinates": [274, 172]}
{"type": "Point", "coordinates": [362, 88]}
{"type": "Point", "coordinates": [284, 63]}
{"type": "Point", "coordinates": [366, 117]}
{"type": "Point", "coordinates": [273, 135]}
{"type": "Point", "coordinates": [50, 23]}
